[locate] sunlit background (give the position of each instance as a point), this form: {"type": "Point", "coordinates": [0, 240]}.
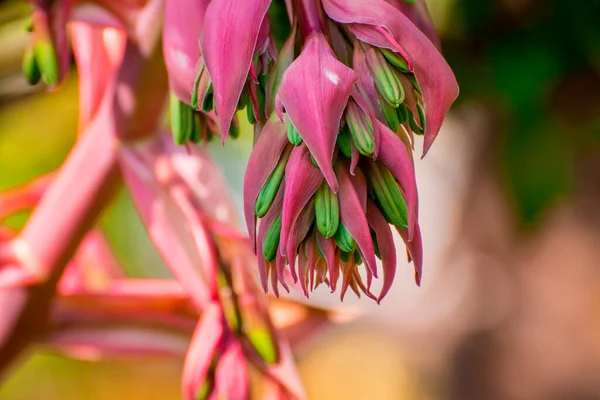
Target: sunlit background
{"type": "Point", "coordinates": [509, 308]}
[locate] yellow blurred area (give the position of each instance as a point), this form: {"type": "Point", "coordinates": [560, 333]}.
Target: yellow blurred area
{"type": "Point", "coordinates": [358, 365]}
{"type": "Point", "coordinates": [47, 377]}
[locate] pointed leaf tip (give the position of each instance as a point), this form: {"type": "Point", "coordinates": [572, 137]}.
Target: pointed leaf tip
{"type": "Point", "coordinates": [231, 33]}
{"type": "Point", "coordinates": [315, 90]}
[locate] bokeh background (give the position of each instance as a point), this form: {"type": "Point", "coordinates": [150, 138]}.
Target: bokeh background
{"type": "Point", "coordinates": [509, 308]}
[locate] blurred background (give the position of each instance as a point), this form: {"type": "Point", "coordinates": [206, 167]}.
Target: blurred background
{"type": "Point", "coordinates": [509, 308]}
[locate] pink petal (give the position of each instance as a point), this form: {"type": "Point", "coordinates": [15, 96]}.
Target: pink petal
{"type": "Point", "coordinates": [231, 375]}
{"type": "Point", "coordinates": [98, 53]}
{"type": "Point", "coordinates": [302, 179]}
{"type": "Point", "coordinates": [284, 60]}
{"type": "Point", "coordinates": [263, 159]}
{"type": "Point", "coordinates": [230, 37]}
{"type": "Point", "coordinates": [203, 177]}
{"type": "Point", "coordinates": [183, 23]}
{"type": "Point", "coordinates": [415, 250]}
{"type": "Point", "coordinates": [314, 91]}
{"type": "Point", "coordinates": [298, 232]}
{"type": "Point", "coordinates": [377, 22]}
{"type": "Point", "coordinates": [365, 87]}
{"type": "Point", "coordinates": [203, 347]}
{"type": "Point", "coordinates": [352, 215]}
{"type": "Point", "coordinates": [172, 221]}
{"type": "Point", "coordinates": [418, 13]}
{"type": "Point", "coordinates": [385, 242]}
{"type": "Point", "coordinates": [396, 157]}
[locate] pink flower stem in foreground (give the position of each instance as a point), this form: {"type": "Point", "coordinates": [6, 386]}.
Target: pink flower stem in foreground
{"type": "Point", "coordinates": [310, 16]}
{"type": "Point", "coordinates": [83, 187]}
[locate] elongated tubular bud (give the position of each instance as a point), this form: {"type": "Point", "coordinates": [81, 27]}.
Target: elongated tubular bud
{"type": "Point", "coordinates": [396, 60]}
{"type": "Point", "coordinates": [272, 238]}
{"type": "Point", "coordinates": [182, 120]}
{"type": "Point", "coordinates": [269, 190]}
{"type": "Point", "coordinates": [413, 124]}
{"type": "Point", "coordinates": [344, 239]}
{"type": "Point", "coordinates": [390, 115]}
{"type": "Point", "coordinates": [30, 67]}
{"type": "Point", "coordinates": [196, 135]}
{"type": "Point", "coordinates": [384, 76]}
{"type": "Point", "coordinates": [388, 195]}
{"type": "Point", "coordinates": [293, 134]}
{"type": "Point", "coordinates": [361, 128]}
{"type": "Point", "coordinates": [344, 142]}
{"type": "Point", "coordinates": [203, 89]}
{"type": "Point", "coordinates": [47, 61]}
{"type": "Point", "coordinates": [403, 114]}
{"type": "Point", "coordinates": [327, 211]}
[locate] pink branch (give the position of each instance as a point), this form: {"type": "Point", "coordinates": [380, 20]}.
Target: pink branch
{"type": "Point", "coordinates": [82, 188]}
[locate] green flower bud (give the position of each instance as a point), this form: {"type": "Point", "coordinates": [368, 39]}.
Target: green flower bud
{"type": "Point", "coordinates": [196, 129]}
{"type": "Point", "coordinates": [361, 129]}
{"type": "Point", "coordinates": [357, 258]}
{"type": "Point", "coordinates": [182, 120]}
{"type": "Point", "coordinates": [264, 344]}
{"type": "Point", "coordinates": [271, 242]}
{"type": "Point", "coordinates": [327, 211]}
{"type": "Point", "coordinates": [388, 195]}
{"type": "Point", "coordinates": [344, 142]}
{"type": "Point", "coordinates": [271, 187]}
{"type": "Point", "coordinates": [414, 82]}
{"type": "Point", "coordinates": [244, 100]}
{"type": "Point", "coordinates": [385, 78]}
{"type": "Point", "coordinates": [293, 134]}
{"type": "Point", "coordinates": [234, 131]}
{"type": "Point", "coordinates": [208, 101]}
{"type": "Point", "coordinates": [250, 113]}
{"type": "Point", "coordinates": [390, 115]}
{"type": "Point", "coordinates": [30, 67]}
{"type": "Point", "coordinates": [395, 59]}
{"type": "Point", "coordinates": [403, 114]}
{"type": "Point", "coordinates": [202, 92]}
{"type": "Point", "coordinates": [344, 239]}
{"type": "Point", "coordinates": [47, 61]}
{"type": "Point", "coordinates": [413, 124]}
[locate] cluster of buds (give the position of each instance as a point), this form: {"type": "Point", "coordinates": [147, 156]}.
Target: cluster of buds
{"type": "Point", "coordinates": [336, 102]}
{"type": "Point", "coordinates": [336, 109]}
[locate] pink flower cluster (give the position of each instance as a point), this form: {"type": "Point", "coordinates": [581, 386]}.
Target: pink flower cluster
{"type": "Point", "coordinates": [335, 108]}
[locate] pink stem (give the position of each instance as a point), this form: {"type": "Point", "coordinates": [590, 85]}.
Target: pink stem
{"type": "Point", "coordinates": [82, 188]}
{"type": "Point", "coordinates": [310, 16]}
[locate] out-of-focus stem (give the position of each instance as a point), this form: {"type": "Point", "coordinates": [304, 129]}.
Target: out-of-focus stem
{"type": "Point", "coordinates": [83, 187]}
{"type": "Point", "coordinates": [310, 16]}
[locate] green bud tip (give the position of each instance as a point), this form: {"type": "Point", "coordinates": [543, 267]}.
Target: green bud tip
{"type": "Point", "coordinates": [292, 133]}
{"type": "Point", "coordinates": [47, 61]}
{"type": "Point", "coordinates": [264, 344]}
{"type": "Point", "coordinates": [344, 142]}
{"type": "Point", "coordinates": [390, 115]}
{"type": "Point", "coordinates": [30, 67]}
{"type": "Point", "coordinates": [269, 190]}
{"type": "Point", "coordinates": [182, 120]}
{"type": "Point", "coordinates": [386, 81]}
{"type": "Point", "coordinates": [344, 239]}
{"type": "Point", "coordinates": [271, 242]}
{"type": "Point", "coordinates": [388, 195]}
{"type": "Point", "coordinates": [361, 129]}
{"type": "Point", "coordinates": [327, 211]}
{"type": "Point", "coordinates": [395, 59]}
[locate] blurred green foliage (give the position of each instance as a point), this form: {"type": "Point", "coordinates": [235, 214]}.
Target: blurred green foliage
{"type": "Point", "coordinates": [536, 64]}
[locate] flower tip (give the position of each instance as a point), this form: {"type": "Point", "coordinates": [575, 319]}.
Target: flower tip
{"type": "Point", "coordinates": [418, 278]}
